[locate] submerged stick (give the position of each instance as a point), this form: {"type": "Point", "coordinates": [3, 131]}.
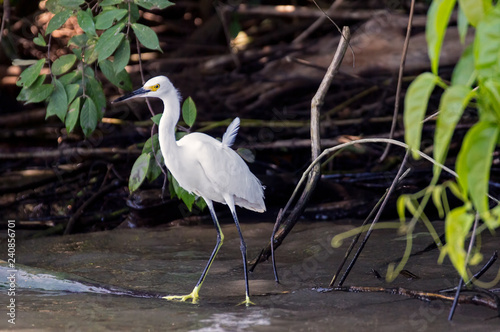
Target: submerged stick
{"type": "Point", "coordinates": [416, 294]}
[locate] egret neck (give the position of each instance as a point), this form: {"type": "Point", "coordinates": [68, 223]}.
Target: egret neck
{"type": "Point", "coordinates": [166, 128]}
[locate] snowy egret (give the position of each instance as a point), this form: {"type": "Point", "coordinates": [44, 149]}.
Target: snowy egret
{"type": "Point", "coordinates": [206, 167]}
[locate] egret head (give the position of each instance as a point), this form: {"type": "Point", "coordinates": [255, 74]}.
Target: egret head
{"type": "Point", "coordinates": [159, 87]}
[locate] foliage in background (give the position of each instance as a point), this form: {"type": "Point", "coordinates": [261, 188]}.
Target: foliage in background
{"type": "Point", "coordinates": [72, 91]}
{"type": "Point", "coordinates": [475, 83]}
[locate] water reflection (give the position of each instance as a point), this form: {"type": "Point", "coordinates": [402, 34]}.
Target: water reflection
{"type": "Point", "coordinates": [168, 261]}
{"type": "Point", "coordinates": [231, 321]}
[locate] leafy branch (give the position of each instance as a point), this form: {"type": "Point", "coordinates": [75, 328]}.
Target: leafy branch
{"type": "Point", "coordinates": [73, 92]}
{"type": "Point", "coordinates": [476, 77]}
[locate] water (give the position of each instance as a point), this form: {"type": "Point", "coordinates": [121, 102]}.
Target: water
{"type": "Point", "coordinates": [170, 260]}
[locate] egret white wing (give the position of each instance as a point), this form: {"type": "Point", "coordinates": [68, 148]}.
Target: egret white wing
{"type": "Point", "coordinates": [226, 171]}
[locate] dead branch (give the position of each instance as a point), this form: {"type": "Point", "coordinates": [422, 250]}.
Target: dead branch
{"type": "Point", "coordinates": [316, 103]}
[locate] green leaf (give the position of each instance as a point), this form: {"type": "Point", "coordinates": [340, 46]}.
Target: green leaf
{"type": "Point", "coordinates": [139, 172]}
{"type": "Point", "coordinates": [457, 225]}
{"type": "Point", "coordinates": [416, 100]}
{"type": "Point", "coordinates": [79, 41]}
{"type": "Point", "coordinates": [401, 207]}
{"type": "Point", "coordinates": [456, 191]}
{"type": "Point", "coordinates": [63, 64]}
{"type": "Point", "coordinates": [453, 102]}
{"type": "Point", "coordinates": [38, 40]}
{"type": "Point", "coordinates": [110, 2]}
{"type": "Point", "coordinates": [150, 4]}
{"type": "Point", "coordinates": [438, 17]}
{"type": "Point", "coordinates": [494, 221]}
{"type": "Point", "coordinates": [109, 41]}
{"type": "Point", "coordinates": [58, 102]}
{"type": "Point", "coordinates": [105, 19]}
{"type": "Point", "coordinates": [148, 146]}
{"type": "Point", "coordinates": [73, 4]}
{"type": "Point", "coordinates": [122, 56]}
{"type": "Point", "coordinates": [462, 25]}
{"type": "Point", "coordinates": [180, 134]}
{"type": "Point", "coordinates": [58, 20]}
{"type": "Point", "coordinates": [39, 93]}
{"type": "Point", "coordinates": [486, 45]}
{"type": "Point", "coordinates": [189, 111]}
{"type": "Point", "coordinates": [155, 169]}
{"type": "Point", "coordinates": [464, 70]}
{"type": "Point", "coordinates": [437, 193]}
{"type": "Point", "coordinates": [53, 6]}
{"type": "Point", "coordinates": [86, 21]}
{"type": "Point", "coordinates": [88, 117]}
{"type": "Point", "coordinates": [156, 118]}
{"type": "Point", "coordinates": [96, 93]}
{"type": "Point", "coordinates": [134, 13]}
{"type": "Point", "coordinates": [89, 72]}
{"type": "Point", "coordinates": [70, 77]}
{"type": "Point", "coordinates": [182, 194]}
{"type": "Point", "coordinates": [474, 162]}
{"type": "Point", "coordinates": [30, 74]}
{"type": "Point", "coordinates": [492, 92]}
{"type": "Point", "coordinates": [90, 55]}
{"type": "Point", "coordinates": [26, 91]}
{"type": "Point", "coordinates": [71, 91]}
{"type": "Point", "coordinates": [246, 154]}
{"type": "Point", "coordinates": [120, 79]}
{"type": "Point", "coordinates": [474, 10]}
{"type": "Point", "coordinates": [78, 52]}
{"type": "Point", "coordinates": [146, 36]}
{"type": "Point", "coordinates": [200, 203]}
{"type": "Point", "coordinates": [73, 114]}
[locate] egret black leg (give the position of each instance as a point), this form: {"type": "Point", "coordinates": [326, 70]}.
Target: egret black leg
{"type": "Point", "coordinates": [243, 248]}
{"type": "Point", "coordinates": [220, 239]}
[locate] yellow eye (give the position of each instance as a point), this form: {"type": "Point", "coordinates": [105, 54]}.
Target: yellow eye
{"type": "Point", "coordinates": [155, 87]}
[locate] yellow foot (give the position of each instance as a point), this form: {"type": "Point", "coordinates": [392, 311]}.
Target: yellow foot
{"type": "Point", "coordinates": [247, 302]}
{"type": "Point", "coordinates": [183, 298]}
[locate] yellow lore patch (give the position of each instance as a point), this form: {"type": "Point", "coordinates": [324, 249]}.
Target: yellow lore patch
{"type": "Point", "coordinates": [153, 87]}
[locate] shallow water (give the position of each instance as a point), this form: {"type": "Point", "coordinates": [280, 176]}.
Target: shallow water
{"type": "Point", "coordinates": [170, 261]}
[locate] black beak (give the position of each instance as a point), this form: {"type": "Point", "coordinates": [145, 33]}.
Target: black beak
{"type": "Point", "coordinates": [133, 94]}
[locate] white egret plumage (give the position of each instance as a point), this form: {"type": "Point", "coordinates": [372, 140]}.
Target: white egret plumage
{"type": "Point", "coordinates": [206, 167]}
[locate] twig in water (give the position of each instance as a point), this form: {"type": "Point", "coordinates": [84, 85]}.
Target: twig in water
{"type": "Point", "coordinates": [376, 219]}
{"type": "Point", "coordinates": [461, 282]}
{"type": "Point", "coordinates": [356, 238]}
{"type": "Point", "coordinates": [273, 258]}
